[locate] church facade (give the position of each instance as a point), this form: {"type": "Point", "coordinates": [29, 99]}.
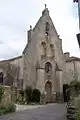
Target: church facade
{"type": "Point", "coordinates": [43, 58]}
{"type": "Point", "coordinates": [43, 65]}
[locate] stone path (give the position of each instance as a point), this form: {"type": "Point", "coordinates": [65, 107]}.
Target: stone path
{"type": "Point", "coordinates": [47, 112]}
{"type": "Point", "coordinates": [25, 107]}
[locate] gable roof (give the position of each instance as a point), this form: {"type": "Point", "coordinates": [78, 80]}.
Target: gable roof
{"type": "Point", "coordinates": [73, 59]}
{"type": "Point", "coordinates": [12, 59]}
{"type": "Point", "coordinates": [45, 12]}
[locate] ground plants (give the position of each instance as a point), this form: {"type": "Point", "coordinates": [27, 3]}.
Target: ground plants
{"type": "Point", "coordinates": [32, 95]}
{"type": "Point", "coordinates": [1, 92]}
{"type": "Point", "coordinates": [9, 108]}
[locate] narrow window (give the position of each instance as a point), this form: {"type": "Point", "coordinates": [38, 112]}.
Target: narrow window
{"type": "Point", "coordinates": [47, 27]}
{"type": "Point", "coordinates": [48, 67]}
{"type": "Point", "coordinates": [52, 49]}
{"type": "Point", "coordinates": [43, 48]}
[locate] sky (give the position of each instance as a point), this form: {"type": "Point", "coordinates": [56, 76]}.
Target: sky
{"type": "Point", "coordinates": [16, 16]}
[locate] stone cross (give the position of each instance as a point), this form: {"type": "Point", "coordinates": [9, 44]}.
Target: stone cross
{"type": "Point", "coordinates": [45, 6]}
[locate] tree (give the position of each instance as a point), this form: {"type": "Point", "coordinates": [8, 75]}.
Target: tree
{"type": "Point", "coordinates": [75, 87]}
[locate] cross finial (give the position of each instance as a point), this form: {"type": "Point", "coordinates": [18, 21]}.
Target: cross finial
{"type": "Point", "coordinates": [45, 6]}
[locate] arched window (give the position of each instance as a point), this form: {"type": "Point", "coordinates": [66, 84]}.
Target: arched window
{"type": "Point", "coordinates": [48, 67]}
{"type": "Point", "coordinates": [1, 77]}
{"type": "Point", "coordinates": [52, 46]}
{"type": "Point", "coordinates": [47, 26]}
{"type": "Point", "coordinates": [43, 48]}
{"type": "Point", "coordinates": [46, 34]}
{"type": "Point", "coordinates": [43, 44]}
{"type": "Point", "coordinates": [52, 49]}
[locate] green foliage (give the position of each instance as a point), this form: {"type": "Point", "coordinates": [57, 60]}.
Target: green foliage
{"type": "Point", "coordinates": [32, 95]}
{"type": "Point", "coordinates": [7, 109]}
{"type": "Point", "coordinates": [75, 87]}
{"type": "Point", "coordinates": [11, 108]}
{"type": "Point", "coordinates": [22, 94]}
{"type": "Point", "coordinates": [1, 92]}
{"type": "Point", "coordinates": [21, 97]}
{"type": "Point", "coordinates": [28, 94]}
{"type": "Point", "coordinates": [76, 103]}
{"type": "Point", "coordinates": [75, 90]}
{"type": "Point", "coordinates": [36, 95]}
{"type": "Point", "coordinates": [77, 115]}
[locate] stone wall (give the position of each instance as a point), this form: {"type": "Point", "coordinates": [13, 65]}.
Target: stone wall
{"type": "Point", "coordinates": [72, 70]}
{"type": "Point", "coordinates": [7, 95]}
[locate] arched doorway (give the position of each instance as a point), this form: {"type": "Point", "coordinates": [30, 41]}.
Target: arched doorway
{"type": "Point", "coordinates": [66, 92]}
{"type": "Point", "coordinates": [48, 89]}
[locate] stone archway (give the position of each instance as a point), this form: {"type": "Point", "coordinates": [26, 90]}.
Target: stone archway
{"type": "Point", "coordinates": [48, 89]}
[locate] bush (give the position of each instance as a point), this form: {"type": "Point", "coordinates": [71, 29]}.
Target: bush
{"type": "Point", "coordinates": [7, 109]}
{"type": "Point", "coordinates": [32, 95]}
{"type": "Point", "coordinates": [10, 108]}
{"type": "Point", "coordinates": [75, 87]}
{"type": "Point", "coordinates": [28, 94]}
{"type": "Point", "coordinates": [1, 92]}
{"type": "Point", "coordinates": [36, 95]}
{"type": "Point", "coordinates": [77, 115]}
{"type": "Point", "coordinates": [22, 94]}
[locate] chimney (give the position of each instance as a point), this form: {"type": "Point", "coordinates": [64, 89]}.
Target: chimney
{"type": "Point", "coordinates": [30, 32]}
{"type": "Point", "coordinates": [67, 55]}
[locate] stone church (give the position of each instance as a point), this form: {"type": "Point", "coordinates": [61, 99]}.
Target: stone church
{"type": "Point", "coordinates": [43, 65]}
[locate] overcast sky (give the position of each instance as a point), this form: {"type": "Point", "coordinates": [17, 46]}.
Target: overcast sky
{"type": "Point", "coordinates": [17, 15]}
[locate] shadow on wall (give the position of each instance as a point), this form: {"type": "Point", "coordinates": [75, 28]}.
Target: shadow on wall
{"type": "Point", "coordinates": [1, 78]}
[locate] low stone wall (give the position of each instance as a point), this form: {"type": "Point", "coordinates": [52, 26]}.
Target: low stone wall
{"type": "Point", "coordinates": [56, 98]}
{"type": "Point", "coordinates": [7, 95]}
{"type": "Point", "coordinates": [59, 97]}
{"type": "Point", "coordinates": [42, 99]}
{"type": "Point", "coordinates": [15, 94]}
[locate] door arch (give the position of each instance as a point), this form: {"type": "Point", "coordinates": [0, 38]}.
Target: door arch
{"type": "Point", "coordinates": [48, 89]}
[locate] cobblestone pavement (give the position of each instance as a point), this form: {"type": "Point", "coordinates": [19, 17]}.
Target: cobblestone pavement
{"type": "Point", "coordinates": [47, 112]}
